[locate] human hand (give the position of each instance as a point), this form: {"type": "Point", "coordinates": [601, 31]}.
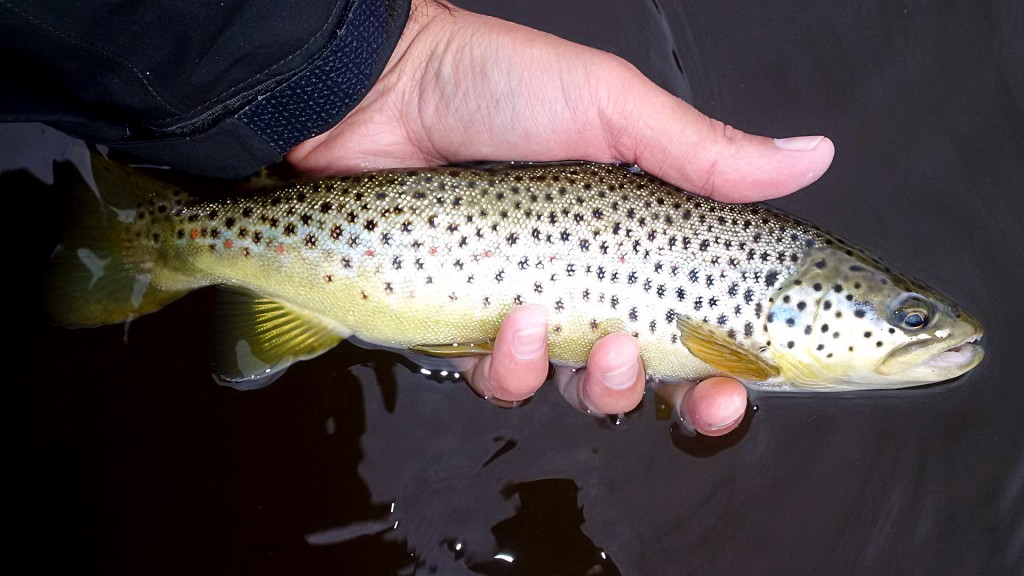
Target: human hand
{"type": "Point", "coordinates": [463, 87]}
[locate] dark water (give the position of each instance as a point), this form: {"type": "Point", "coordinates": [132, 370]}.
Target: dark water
{"type": "Point", "coordinates": [128, 459]}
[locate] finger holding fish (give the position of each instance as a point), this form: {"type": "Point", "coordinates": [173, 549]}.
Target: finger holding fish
{"type": "Point", "coordinates": [613, 380]}
{"type": "Point", "coordinates": [713, 407]}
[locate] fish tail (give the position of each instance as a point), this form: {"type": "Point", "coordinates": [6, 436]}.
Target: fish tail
{"type": "Point", "coordinates": [102, 270]}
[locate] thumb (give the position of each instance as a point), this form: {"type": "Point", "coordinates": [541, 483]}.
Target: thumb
{"type": "Point", "coordinates": [670, 139]}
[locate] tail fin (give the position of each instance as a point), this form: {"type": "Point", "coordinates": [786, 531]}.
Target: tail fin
{"type": "Point", "coordinates": [97, 274]}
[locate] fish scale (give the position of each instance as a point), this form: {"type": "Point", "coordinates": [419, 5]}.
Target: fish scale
{"type": "Point", "coordinates": [434, 259]}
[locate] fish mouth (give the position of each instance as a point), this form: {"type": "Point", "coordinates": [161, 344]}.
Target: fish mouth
{"type": "Point", "coordinates": [933, 361]}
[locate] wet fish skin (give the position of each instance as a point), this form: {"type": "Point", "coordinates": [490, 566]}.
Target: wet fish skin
{"type": "Point", "coordinates": [434, 259]}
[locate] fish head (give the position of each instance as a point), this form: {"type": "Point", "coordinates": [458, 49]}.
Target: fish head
{"type": "Point", "coordinates": [845, 322]}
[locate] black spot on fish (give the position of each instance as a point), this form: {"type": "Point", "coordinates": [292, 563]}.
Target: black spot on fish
{"type": "Point", "coordinates": [311, 240]}
{"type": "Point", "coordinates": [680, 293]}
{"type": "Point", "coordinates": [820, 264]}
{"type": "Point", "coordinates": [790, 344]}
{"type": "Point", "coordinates": [748, 329]}
{"type": "Point", "coordinates": [790, 322]}
{"type": "Point", "coordinates": [827, 305]}
{"type": "Point", "coordinates": [817, 287]}
{"type": "Point", "coordinates": [325, 207]}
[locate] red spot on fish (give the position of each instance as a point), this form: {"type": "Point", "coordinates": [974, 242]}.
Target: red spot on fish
{"type": "Point", "coordinates": [227, 243]}
{"type": "Point", "coordinates": [622, 259]}
{"type": "Point", "coordinates": [194, 233]}
{"type": "Point", "coordinates": [370, 252]}
{"type": "Point", "coordinates": [280, 249]}
{"type": "Point", "coordinates": [488, 254]}
{"type": "Point", "coordinates": [552, 258]}
{"type": "Point", "coordinates": [433, 250]}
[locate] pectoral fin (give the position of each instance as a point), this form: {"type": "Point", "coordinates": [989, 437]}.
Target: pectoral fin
{"type": "Point", "coordinates": [715, 348]}
{"type": "Point", "coordinates": [258, 338]}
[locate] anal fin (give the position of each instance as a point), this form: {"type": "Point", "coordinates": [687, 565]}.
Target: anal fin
{"type": "Point", "coordinates": [258, 338]}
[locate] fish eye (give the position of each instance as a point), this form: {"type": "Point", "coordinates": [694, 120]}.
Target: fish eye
{"type": "Point", "coordinates": [912, 312]}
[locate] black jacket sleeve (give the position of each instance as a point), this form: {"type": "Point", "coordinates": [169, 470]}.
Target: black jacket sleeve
{"type": "Point", "coordinates": [217, 88]}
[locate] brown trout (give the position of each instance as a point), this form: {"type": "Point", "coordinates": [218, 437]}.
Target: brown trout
{"type": "Point", "coordinates": [432, 260]}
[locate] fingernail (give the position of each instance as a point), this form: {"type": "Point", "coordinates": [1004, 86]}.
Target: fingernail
{"type": "Point", "coordinates": [528, 343]}
{"type": "Point", "coordinates": [732, 422]}
{"type": "Point", "coordinates": [799, 143]}
{"type": "Point", "coordinates": [621, 378]}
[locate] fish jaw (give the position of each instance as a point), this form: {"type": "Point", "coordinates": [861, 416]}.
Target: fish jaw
{"type": "Point", "coordinates": [935, 360]}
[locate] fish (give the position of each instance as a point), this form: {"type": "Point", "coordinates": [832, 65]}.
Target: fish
{"type": "Point", "coordinates": [431, 260]}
